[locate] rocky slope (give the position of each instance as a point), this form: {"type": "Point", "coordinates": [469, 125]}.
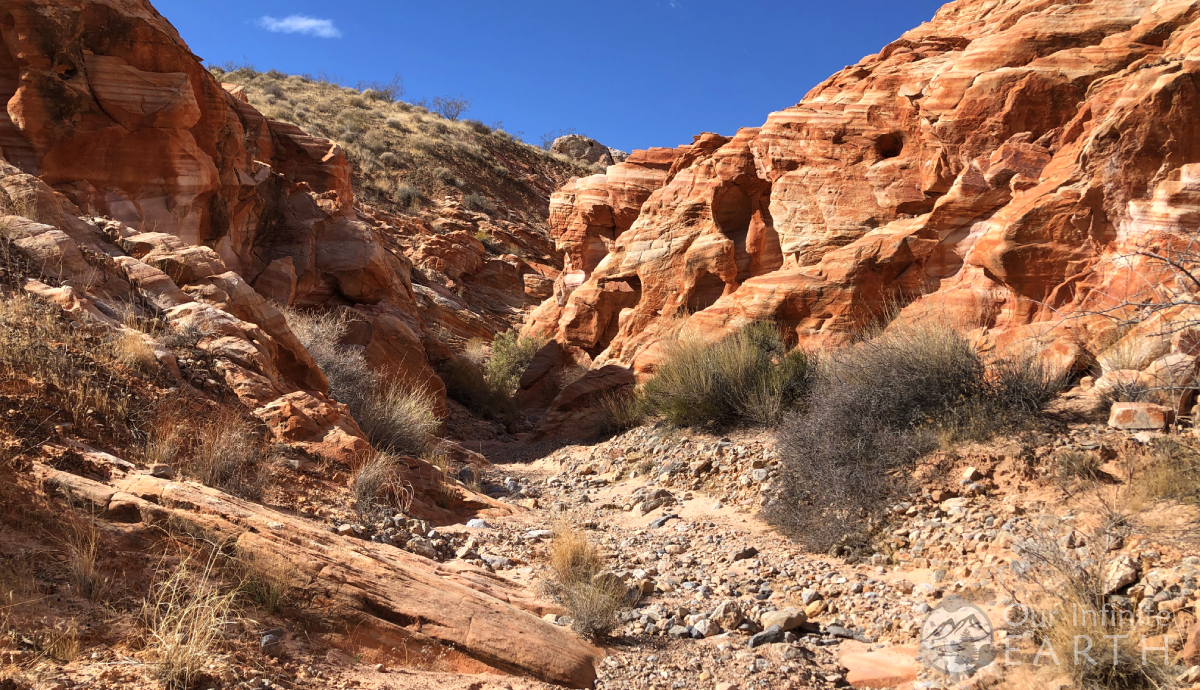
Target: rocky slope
{"type": "Point", "coordinates": [995, 165]}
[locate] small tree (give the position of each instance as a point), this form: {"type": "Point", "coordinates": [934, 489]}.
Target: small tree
{"type": "Point", "coordinates": [450, 107]}
{"type": "Point", "coordinates": [391, 91]}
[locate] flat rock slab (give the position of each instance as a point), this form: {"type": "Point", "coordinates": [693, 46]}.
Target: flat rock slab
{"type": "Point", "coordinates": [884, 668]}
{"type": "Point", "coordinates": [394, 602]}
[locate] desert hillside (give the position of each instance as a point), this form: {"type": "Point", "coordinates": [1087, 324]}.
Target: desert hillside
{"type": "Point", "coordinates": [305, 385]}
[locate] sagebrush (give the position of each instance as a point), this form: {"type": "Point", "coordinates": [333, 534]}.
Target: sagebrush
{"type": "Point", "coordinates": [878, 406]}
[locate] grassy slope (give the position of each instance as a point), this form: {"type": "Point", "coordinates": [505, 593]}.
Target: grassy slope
{"type": "Point", "coordinates": [399, 147]}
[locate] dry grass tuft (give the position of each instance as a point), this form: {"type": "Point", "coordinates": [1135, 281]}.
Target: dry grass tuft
{"type": "Point", "coordinates": [1063, 569]}
{"type": "Point", "coordinates": [71, 365]}
{"type": "Point", "coordinates": [83, 549]}
{"type": "Point", "coordinates": [185, 617]}
{"type": "Point", "coordinates": [132, 351]}
{"type": "Point", "coordinates": [381, 487]}
{"type": "Point", "coordinates": [1170, 472]}
{"type": "Point", "coordinates": [228, 455]}
{"type": "Point", "coordinates": [1073, 465]}
{"type": "Point", "coordinates": [265, 579]}
{"type": "Point", "coordinates": [59, 641]}
{"type": "Point", "coordinates": [397, 417]}
{"type": "Point", "coordinates": [590, 594]}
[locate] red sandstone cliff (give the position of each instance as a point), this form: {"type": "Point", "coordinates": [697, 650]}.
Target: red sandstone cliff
{"type": "Point", "coordinates": [992, 164]}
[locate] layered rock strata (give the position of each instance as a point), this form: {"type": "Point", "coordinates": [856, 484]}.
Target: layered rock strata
{"type": "Point", "coordinates": [999, 166]}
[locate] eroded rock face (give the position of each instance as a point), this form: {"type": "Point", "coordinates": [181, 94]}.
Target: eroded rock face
{"type": "Point", "coordinates": [992, 165]}
{"type": "Point", "coordinates": [231, 206]}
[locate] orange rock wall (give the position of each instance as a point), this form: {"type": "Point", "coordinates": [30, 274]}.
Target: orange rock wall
{"type": "Point", "coordinates": [992, 164]}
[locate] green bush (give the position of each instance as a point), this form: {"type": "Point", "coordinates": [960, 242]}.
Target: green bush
{"type": "Point", "coordinates": [745, 377]}
{"type": "Point", "coordinates": [511, 355]}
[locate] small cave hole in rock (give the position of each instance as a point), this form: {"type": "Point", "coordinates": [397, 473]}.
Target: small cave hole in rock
{"type": "Point", "coordinates": [708, 290]}
{"type": "Point", "coordinates": [889, 145]}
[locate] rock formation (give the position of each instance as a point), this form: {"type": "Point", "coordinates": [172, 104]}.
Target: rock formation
{"type": "Point", "coordinates": [587, 150]}
{"type": "Point", "coordinates": [996, 165]}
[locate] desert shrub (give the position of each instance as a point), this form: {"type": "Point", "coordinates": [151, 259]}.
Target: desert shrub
{"type": "Point", "coordinates": [511, 355]}
{"type": "Point", "coordinates": [620, 410]}
{"type": "Point", "coordinates": [227, 455]}
{"type": "Point", "coordinates": [408, 196]}
{"type": "Point", "coordinates": [383, 91]}
{"type": "Point", "coordinates": [389, 160]}
{"type": "Point", "coordinates": [447, 177]}
{"type": "Point", "coordinates": [747, 376]}
{"type": "Point", "coordinates": [380, 487]}
{"type": "Point", "coordinates": [465, 382]}
{"type": "Point", "coordinates": [186, 617]}
{"type": "Point", "coordinates": [1063, 568]}
{"type": "Point", "coordinates": [1072, 465]}
{"type": "Point", "coordinates": [274, 89]}
{"type": "Point", "coordinates": [479, 203]}
{"type": "Point", "coordinates": [450, 107]}
{"type": "Point", "coordinates": [591, 595]}
{"type": "Point", "coordinates": [1170, 471]}
{"type": "Point", "coordinates": [877, 407]}
{"type": "Point", "coordinates": [395, 416]}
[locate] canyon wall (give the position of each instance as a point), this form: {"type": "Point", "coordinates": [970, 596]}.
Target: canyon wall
{"type": "Point", "coordinates": [1000, 165]}
{"type": "Point", "coordinates": [143, 169]}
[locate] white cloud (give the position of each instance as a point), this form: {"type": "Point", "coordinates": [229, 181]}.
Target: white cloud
{"type": "Point", "coordinates": [297, 24]}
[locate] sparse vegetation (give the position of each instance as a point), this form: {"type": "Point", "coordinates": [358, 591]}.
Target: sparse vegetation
{"type": "Point", "coordinates": [397, 417]}
{"type": "Point", "coordinates": [70, 366]}
{"type": "Point", "coordinates": [877, 407]}
{"type": "Point", "coordinates": [592, 595]}
{"type": "Point", "coordinates": [1065, 568]}
{"type": "Point", "coordinates": [228, 455]}
{"type": "Point", "coordinates": [1073, 465]}
{"type": "Point", "coordinates": [186, 617]}
{"type": "Point", "coordinates": [1170, 470]}
{"type": "Point", "coordinates": [399, 150]}
{"type": "Point", "coordinates": [380, 487]}
{"type": "Point", "coordinates": [746, 377]}
{"type": "Point", "coordinates": [478, 202]}
{"type": "Point", "coordinates": [82, 546]}
{"type": "Point", "coordinates": [511, 355]}
{"type": "Point", "coordinates": [265, 580]}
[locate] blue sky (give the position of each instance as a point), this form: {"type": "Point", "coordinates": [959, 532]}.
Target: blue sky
{"type": "Point", "coordinates": [630, 73]}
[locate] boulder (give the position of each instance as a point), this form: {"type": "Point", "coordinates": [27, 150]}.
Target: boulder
{"type": "Point", "coordinates": [1134, 416]}
{"type": "Point", "coordinates": [784, 619]}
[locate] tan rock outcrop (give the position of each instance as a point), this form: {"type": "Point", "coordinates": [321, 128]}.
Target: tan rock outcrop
{"type": "Point", "coordinates": [372, 596]}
